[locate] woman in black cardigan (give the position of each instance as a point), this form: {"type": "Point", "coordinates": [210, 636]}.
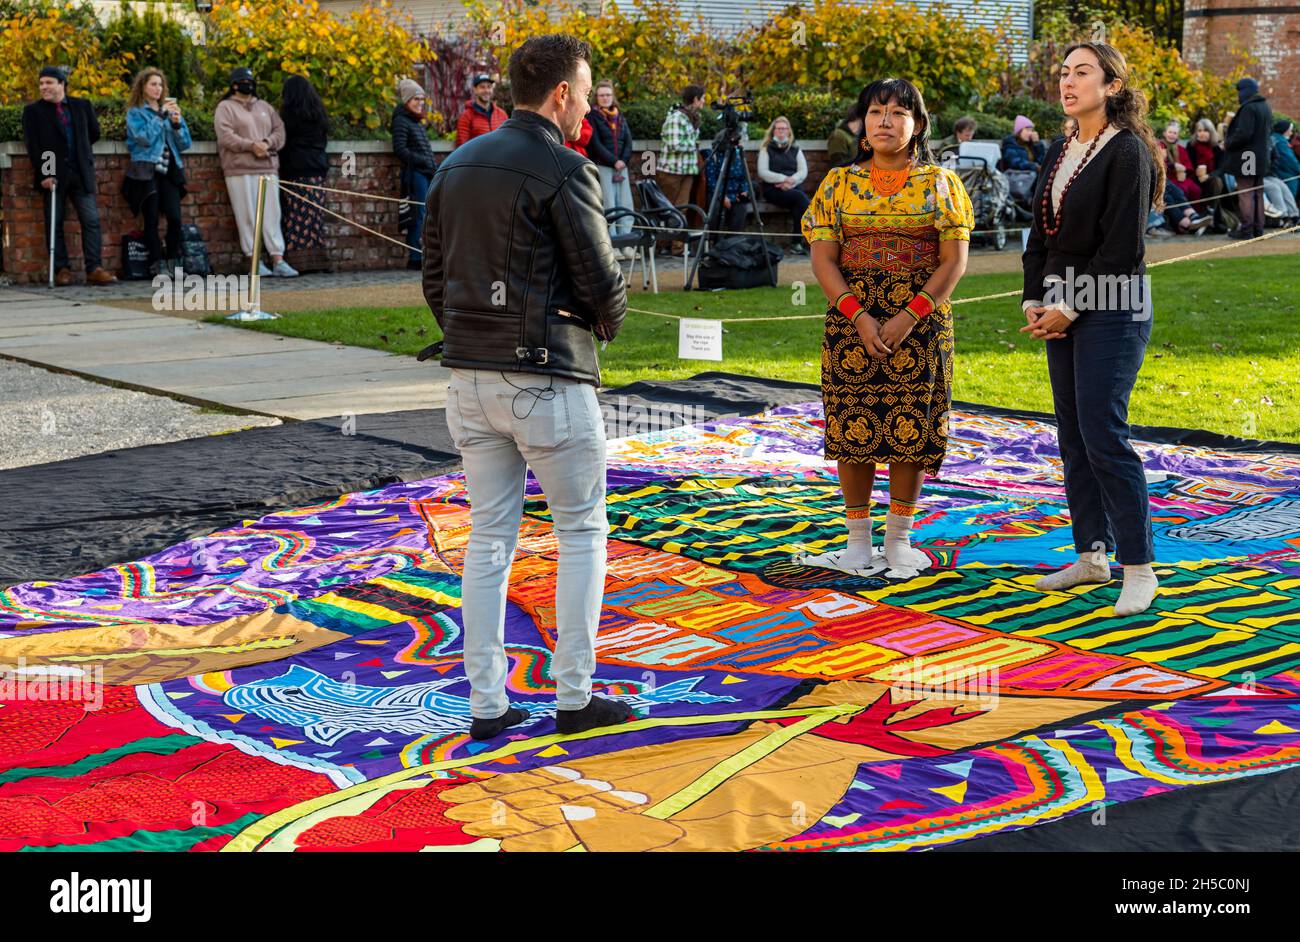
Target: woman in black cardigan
{"type": "Point", "coordinates": [1086, 296]}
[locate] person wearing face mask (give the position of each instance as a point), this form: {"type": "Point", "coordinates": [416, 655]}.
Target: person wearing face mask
{"type": "Point", "coordinates": [518, 208]}
{"type": "Point", "coordinates": [611, 151]}
{"type": "Point", "coordinates": [1087, 240]}
{"type": "Point", "coordinates": [249, 137]}
{"type": "Point", "coordinates": [782, 170]}
{"type": "Point", "coordinates": [415, 153]}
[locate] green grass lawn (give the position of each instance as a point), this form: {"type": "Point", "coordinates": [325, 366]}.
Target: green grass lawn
{"type": "Point", "coordinates": [1224, 352]}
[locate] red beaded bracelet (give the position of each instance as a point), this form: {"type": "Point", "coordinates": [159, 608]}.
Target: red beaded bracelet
{"type": "Point", "coordinates": [922, 305]}
{"type": "Point", "coordinates": [849, 305]}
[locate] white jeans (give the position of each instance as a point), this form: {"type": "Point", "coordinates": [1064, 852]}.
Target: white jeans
{"type": "Point", "coordinates": [503, 424]}
{"type": "Point", "coordinates": [243, 199]}
{"type": "Point", "coordinates": [617, 196]}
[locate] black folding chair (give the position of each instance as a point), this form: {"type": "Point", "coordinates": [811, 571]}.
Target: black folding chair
{"type": "Point", "coordinates": [641, 240]}
{"type": "Point", "coordinates": [670, 222]}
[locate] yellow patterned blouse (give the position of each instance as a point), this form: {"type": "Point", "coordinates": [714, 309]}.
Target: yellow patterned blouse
{"type": "Point", "coordinates": [902, 231]}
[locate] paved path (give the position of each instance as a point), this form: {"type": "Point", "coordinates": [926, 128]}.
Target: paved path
{"type": "Point", "coordinates": [212, 363]}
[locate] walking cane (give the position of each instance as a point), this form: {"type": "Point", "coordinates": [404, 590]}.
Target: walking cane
{"type": "Point", "coordinates": [54, 209]}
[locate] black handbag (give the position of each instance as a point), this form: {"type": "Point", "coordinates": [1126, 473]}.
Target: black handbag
{"type": "Point", "coordinates": [194, 251]}
{"type": "Point", "coordinates": [135, 257]}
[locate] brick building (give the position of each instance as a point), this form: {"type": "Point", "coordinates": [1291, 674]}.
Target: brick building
{"type": "Point", "coordinates": [1265, 32]}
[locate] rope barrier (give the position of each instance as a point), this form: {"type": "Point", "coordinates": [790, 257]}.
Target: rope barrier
{"type": "Point", "coordinates": [354, 224]}
{"type": "Point", "coordinates": [801, 317]}
{"type": "Point", "coordinates": [367, 196]}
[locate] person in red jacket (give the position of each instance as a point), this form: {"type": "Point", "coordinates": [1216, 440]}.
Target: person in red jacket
{"type": "Point", "coordinates": [481, 115]}
{"type": "Point", "coordinates": [584, 137]}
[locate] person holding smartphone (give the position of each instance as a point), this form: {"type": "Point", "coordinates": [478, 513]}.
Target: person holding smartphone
{"type": "Point", "coordinates": [156, 136]}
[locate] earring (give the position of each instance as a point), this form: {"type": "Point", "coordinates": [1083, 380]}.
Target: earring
{"type": "Point", "coordinates": [863, 143]}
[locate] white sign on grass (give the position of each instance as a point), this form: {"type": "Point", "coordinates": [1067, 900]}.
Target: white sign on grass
{"type": "Point", "coordinates": [700, 340]}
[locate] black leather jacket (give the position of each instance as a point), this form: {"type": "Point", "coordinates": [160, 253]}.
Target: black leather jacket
{"type": "Point", "coordinates": [515, 234]}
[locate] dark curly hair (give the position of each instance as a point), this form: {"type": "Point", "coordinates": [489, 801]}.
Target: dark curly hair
{"type": "Point", "coordinates": [1127, 108]}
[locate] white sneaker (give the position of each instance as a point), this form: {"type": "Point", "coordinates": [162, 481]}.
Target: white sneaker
{"type": "Point", "coordinates": [282, 270]}
{"type": "Point", "coordinates": [629, 253]}
{"type": "Point", "coordinates": [262, 270]}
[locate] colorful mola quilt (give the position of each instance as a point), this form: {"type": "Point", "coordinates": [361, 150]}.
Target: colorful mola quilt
{"type": "Point", "coordinates": [295, 683]}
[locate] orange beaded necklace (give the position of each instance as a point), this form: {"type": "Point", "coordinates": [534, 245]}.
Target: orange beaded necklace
{"type": "Point", "coordinates": [888, 182]}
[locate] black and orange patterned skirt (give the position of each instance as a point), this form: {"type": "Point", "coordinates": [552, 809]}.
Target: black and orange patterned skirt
{"type": "Point", "coordinates": [892, 410]}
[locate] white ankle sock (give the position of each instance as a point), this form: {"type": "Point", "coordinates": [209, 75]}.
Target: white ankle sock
{"type": "Point", "coordinates": [899, 552]}
{"type": "Point", "coordinates": [1089, 568]}
{"type": "Point", "coordinates": [1140, 584]}
{"type": "Point", "coordinates": [857, 555]}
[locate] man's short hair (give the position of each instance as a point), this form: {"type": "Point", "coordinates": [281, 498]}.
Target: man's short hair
{"type": "Point", "coordinates": [692, 92]}
{"type": "Point", "coordinates": [542, 63]}
{"type": "Point", "coordinates": [964, 124]}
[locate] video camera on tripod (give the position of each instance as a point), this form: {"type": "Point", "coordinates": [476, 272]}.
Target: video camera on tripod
{"type": "Point", "coordinates": [735, 109]}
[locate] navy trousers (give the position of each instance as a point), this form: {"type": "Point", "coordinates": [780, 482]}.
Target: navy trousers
{"type": "Point", "coordinates": [1092, 372]}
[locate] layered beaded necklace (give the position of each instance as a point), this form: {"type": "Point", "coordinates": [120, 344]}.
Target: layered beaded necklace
{"type": "Point", "coordinates": [1051, 177]}
{"type": "Point", "coordinates": [888, 182]}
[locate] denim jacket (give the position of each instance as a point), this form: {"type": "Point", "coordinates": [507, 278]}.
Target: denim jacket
{"type": "Point", "coordinates": [147, 131]}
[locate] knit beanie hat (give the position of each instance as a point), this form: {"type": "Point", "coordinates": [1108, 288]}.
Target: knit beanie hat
{"type": "Point", "coordinates": [1021, 123]}
{"type": "Point", "coordinates": [408, 89]}
{"type": "Point", "coordinates": [53, 71]}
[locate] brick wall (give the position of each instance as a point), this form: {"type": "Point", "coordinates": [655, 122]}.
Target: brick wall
{"type": "Point", "coordinates": [1267, 31]}
{"type": "Point", "coordinates": [25, 240]}
{"type": "Point", "coordinates": [207, 204]}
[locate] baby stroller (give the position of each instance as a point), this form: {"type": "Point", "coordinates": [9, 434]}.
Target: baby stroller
{"type": "Point", "coordinates": [989, 191]}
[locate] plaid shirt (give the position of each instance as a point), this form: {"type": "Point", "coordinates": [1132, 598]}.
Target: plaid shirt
{"type": "Point", "coordinates": [679, 140]}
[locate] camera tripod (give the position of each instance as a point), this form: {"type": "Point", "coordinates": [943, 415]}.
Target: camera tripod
{"type": "Point", "coordinates": [728, 138]}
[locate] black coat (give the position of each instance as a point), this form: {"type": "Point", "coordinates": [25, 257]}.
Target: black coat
{"type": "Point", "coordinates": [42, 135]}
{"type": "Point", "coordinates": [603, 149]}
{"type": "Point", "coordinates": [1104, 218]}
{"type": "Point", "coordinates": [410, 143]}
{"type": "Point", "coordinates": [1251, 131]}
{"type": "Point", "coordinates": [518, 208]}
{"type": "Point", "coordinates": [303, 153]}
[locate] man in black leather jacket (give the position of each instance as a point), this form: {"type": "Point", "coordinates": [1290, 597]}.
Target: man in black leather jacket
{"type": "Point", "coordinates": [521, 276]}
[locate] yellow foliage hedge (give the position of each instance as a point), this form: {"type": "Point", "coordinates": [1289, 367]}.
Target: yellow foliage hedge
{"type": "Point", "coordinates": [33, 39]}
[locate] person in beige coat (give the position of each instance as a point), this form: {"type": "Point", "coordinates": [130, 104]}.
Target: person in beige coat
{"type": "Point", "coordinates": [249, 137]}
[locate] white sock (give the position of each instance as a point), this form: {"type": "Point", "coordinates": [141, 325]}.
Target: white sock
{"type": "Point", "coordinates": [1091, 567]}
{"type": "Point", "coordinates": [899, 552]}
{"type": "Point", "coordinates": [860, 550]}
{"type": "Point", "coordinates": [1140, 584]}
{"type": "Point", "coordinates": [857, 555]}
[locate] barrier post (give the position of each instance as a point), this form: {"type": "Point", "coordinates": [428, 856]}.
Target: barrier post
{"type": "Point", "coordinates": [54, 221]}
{"type": "Point", "coordinates": [255, 312]}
